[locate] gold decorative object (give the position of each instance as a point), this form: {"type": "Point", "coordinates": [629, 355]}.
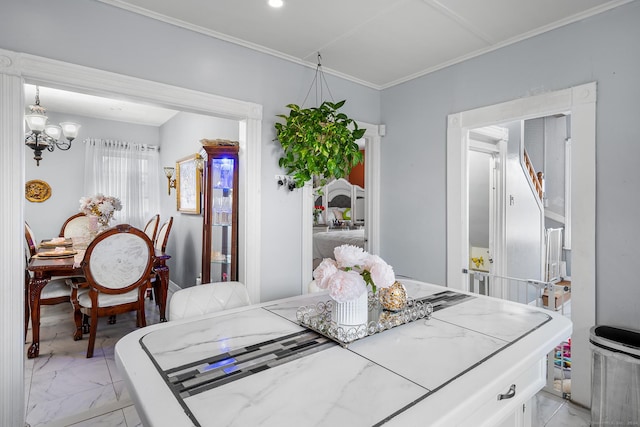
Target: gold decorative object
{"type": "Point", "coordinates": [393, 298]}
{"type": "Point", "coordinates": [37, 191]}
{"type": "Point", "coordinates": [218, 142]}
{"type": "Point", "coordinates": [478, 261]}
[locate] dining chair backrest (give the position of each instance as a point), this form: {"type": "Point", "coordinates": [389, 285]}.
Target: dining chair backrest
{"type": "Point", "coordinates": [30, 240]}
{"type": "Point", "coordinates": [56, 290]}
{"type": "Point", "coordinates": [207, 298]}
{"type": "Point", "coordinates": [152, 227]}
{"type": "Point", "coordinates": [118, 260]}
{"type": "Point", "coordinates": [75, 226]}
{"type": "Point", "coordinates": [117, 267]}
{"type": "Point", "coordinates": [163, 235]}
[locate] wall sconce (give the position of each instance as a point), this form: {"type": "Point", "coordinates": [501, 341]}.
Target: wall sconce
{"type": "Point", "coordinates": [169, 171]}
{"type": "Point", "coordinates": [199, 162]}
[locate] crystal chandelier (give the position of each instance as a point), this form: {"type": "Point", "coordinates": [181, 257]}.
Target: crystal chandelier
{"type": "Point", "coordinates": [47, 136]}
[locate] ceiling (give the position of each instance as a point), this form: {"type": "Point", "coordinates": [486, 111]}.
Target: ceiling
{"type": "Point", "coordinates": [377, 43]}
{"type": "Point", "coordinates": [56, 100]}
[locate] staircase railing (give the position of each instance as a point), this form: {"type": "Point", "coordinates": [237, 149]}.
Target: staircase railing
{"type": "Point", "coordinates": [536, 178]}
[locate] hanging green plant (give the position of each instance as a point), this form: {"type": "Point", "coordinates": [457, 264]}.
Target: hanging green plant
{"type": "Point", "coordinates": [319, 143]}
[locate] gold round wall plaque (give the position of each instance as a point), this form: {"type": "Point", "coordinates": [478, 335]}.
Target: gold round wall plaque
{"type": "Point", "coordinates": [37, 190]}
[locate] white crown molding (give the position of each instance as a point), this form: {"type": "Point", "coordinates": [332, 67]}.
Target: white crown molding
{"type": "Point", "coordinates": [574, 18]}
{"type": "Point", "coordinates": [249, 45]}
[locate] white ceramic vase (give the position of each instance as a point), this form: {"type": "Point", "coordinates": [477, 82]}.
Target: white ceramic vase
{"type": "Point", "coordinates": [351, 313]}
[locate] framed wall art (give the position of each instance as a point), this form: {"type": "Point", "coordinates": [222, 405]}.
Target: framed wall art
{"type": "Point", "coordinates": [188, 185]}
{"type": "Point", "coordinates": [37, 190]}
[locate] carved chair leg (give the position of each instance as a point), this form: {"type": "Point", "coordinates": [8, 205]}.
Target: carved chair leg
{"type": "Point", "coordinates": [141, 320]}
{"type": "Point", "coordinates": [86, 327]}
{"type": "Point", "coordinates": [27, 314]}
{"type": "Point", "coordinates": [92, 333]}
{"type": "Point", "coordinates": [77, 315]}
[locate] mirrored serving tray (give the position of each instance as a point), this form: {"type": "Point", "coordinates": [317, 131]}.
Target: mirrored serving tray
{"type": "Point", "coordinates": [318, 318]}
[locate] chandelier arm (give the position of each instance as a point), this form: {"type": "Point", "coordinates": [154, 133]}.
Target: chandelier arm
{"type": "Point", "coordinates": [64, 145]}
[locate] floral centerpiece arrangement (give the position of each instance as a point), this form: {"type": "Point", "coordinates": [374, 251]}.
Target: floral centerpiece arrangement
{"type": "Point", "coordinates": [100, 206]}
{"type": "Point", "coordinates": [353, 269]}
{"type": "Point", "coordinates": [317, 211]}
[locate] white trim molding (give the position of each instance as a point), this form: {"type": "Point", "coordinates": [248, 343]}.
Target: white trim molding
{"type": "Point", "coordinates": [580, 102]}
{"type": "Point", "coordinates": [15, 69]}
{"type": "Point", "coordinates": [12, 154]}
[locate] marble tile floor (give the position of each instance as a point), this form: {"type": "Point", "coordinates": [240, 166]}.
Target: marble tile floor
{"type": "Point", "coordinates": [65, 389]}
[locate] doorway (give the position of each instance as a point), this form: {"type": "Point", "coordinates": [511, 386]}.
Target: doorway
{"type": "Point", "coordinates": [487, 157]}
{"type": "Point", "coordinates": [580, 102]}
{"type": "Point", "coordinates": [372, 137]}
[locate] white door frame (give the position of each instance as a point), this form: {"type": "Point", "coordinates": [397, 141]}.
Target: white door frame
{"type": "Point", "coordinates": [15, 69]}
{"type": "Point", "coordinates": [249, 116]}
{"type": "Point", "coordinates": [373, 137]}
{"type": "Point", "coordinates": [580, 102]}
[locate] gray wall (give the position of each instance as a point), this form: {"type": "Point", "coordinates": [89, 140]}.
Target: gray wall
{"type": "Point", "coordinates": [603, 48]}
{"type": "Point", "coordinates": [64, 170]}
{"type": "Point", "coordinates": [101, 36]}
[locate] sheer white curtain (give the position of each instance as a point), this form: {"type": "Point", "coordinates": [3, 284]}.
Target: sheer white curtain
{"type": "Point", "coordinates": [128, 171]}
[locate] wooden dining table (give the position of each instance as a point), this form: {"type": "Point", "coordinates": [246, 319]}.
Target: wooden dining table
{"type": "Point", "coordinates": [44, 269]}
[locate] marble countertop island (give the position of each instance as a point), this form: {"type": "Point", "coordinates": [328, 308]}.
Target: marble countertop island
{"type": "Point", "coordinates": [475, 362]}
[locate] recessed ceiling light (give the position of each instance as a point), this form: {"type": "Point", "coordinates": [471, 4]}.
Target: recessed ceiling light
{"type": "Point", "coordinates": [276, 3]}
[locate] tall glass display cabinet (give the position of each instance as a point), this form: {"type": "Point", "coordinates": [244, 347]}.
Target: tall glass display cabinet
{"type": "Point", "coordinates": [220, 222]}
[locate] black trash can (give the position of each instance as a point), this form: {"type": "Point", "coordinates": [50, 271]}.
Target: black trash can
{"type": "Point", "coordinates": [615, 377]}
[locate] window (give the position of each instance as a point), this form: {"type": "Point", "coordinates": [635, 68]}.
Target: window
{"type": "Point", "coordinates": [128, 171]}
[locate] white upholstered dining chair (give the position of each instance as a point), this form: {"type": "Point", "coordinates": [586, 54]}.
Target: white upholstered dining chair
{"type": "Point", "coordinates": [207, 298]}
{"type": "Point", "coordinates": [160, 245]}
{"type": "Point", "coordinates": [75, 226]}
{"type": "Point", "coordinates": [117, 266]}
{"type": "Point", "coordinates": [152, 227]}
{"type": "Point", "coordinates": [162, 237]}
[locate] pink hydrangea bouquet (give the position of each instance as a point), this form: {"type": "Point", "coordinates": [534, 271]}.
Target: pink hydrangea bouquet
{"type": "Point", "coordinates": [353, 269]}
{"type": "Point", "coordinates": [100, 206]}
